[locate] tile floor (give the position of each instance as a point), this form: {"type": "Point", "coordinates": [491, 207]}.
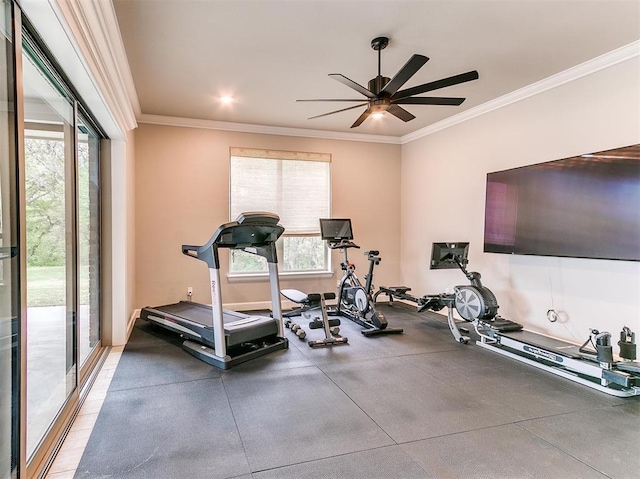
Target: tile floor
{"type": "Point", "coordinates": [416, 405]}
{"type": "Point", "coordinates": [68, 458]}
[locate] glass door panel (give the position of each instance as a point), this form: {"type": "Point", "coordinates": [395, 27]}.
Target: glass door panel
{"type": "Point", "coordinates": [88, 240]}
{"type": "Point", "coordinates": [9, 267]}
{"type": "Point", "coordinates": [50, 238]}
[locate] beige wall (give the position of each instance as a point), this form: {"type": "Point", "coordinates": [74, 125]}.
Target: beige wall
{"type": "Point", "coordinates": [182, 196]}
{"type": "Point", "coordinates": [118, 238]}
{"type": "Point", "coordinates": [443, 188]}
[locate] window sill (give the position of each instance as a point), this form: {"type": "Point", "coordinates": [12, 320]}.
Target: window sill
{"type": "Point", "coordinates": [262, 277]}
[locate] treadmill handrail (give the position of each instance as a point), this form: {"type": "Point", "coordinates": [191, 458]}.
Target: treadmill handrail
{"type": "Point", "coordinates": [190, 250]}
{"type": "Point", "coordinates": [256, 230]}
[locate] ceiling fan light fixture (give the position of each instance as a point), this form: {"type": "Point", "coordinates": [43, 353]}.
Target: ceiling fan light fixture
{"type": "Point", "coordinates": [226, 99]}
{"type": "Point", "coordinates": [377, 115]}
{"type": "Point", "coordinates": [379, 105]}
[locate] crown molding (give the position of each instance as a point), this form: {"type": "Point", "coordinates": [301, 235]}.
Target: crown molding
{"type": "Point", "coordinates": [602, 62]}
{"type": "Point", "coordinates": [94, 27]}
{"type": "Point", "coordinates": [264, 129]}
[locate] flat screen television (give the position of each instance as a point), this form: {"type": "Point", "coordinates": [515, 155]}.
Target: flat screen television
{"type": "Point", "coordinates": [334, 230]}
{"type": "Point", "coordinates": [586, 206]}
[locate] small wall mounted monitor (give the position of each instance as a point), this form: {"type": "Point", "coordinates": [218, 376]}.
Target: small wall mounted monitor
{"type": "Point", "coordinates": [442, 255]}
{"type": "Point", "coordinates": [336, 229]}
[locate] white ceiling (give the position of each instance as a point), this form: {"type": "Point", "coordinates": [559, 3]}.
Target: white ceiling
{"type": "Point", "coordinates": [184, 54]}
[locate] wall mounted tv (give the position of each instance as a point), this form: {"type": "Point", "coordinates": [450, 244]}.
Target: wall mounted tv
{"type": "Point", "coordinates": [586, 206]}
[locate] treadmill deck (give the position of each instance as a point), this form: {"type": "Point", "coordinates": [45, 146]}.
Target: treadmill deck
{"type": "Point", "coordinates": [195, 321]}
{"type": "Point", "coordinates": [202, 314]}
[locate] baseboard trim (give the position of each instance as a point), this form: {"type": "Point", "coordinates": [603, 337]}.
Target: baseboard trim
{"type": "Point", "coordinates": [132, 321]}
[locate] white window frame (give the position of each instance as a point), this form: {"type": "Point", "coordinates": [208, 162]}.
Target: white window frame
{"type": "Point", "coordinates": [282, 155]}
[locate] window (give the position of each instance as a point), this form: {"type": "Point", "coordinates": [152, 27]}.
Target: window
{"type": "Point", "coordinates": [294, 185]}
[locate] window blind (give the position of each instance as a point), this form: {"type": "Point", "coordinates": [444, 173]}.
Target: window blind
{"type": "Point", "coordinates": [294, 185]}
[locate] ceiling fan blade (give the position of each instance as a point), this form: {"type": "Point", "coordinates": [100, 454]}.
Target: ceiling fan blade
{"type": "Point", "coordinates": [407, 71]}
{"type": "Point", "coordinates": [334, 99]}
{"type": "Point", "coordinates": [401, 113]}
{"type": "Point", "coordinates": [362, 118]}
{"type": "Point", "coordinates": [429, 100]}
{"type": "Point", "coordinates": [351, 84]}
{"type": "Point", "coordinates": [337, 111]}
{"type": "Point", "coordinates": [435, 85]}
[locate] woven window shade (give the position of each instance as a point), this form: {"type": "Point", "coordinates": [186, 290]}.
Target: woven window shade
{"type": "Point", "coordinates": [294, 185]}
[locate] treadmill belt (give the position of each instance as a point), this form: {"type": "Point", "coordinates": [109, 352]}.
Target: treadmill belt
{"type": "Point", "coordinates": [201, 314]}
{"type": "Point", "coordinates": [198, 313]}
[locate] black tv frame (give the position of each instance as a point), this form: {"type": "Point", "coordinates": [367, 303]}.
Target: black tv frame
{"type": "Point", "coordinates": [589, 239]}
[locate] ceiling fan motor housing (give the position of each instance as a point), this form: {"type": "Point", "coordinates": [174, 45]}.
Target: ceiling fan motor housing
{"type": "Point", "coordinates": [378, 83]}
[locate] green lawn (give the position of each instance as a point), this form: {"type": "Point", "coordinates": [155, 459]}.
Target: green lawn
{"type": "Point", "coordinates": [46, 286]}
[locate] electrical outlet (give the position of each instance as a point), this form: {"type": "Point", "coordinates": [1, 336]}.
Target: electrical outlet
{"type": "Point", "coordinates": [189, 291]}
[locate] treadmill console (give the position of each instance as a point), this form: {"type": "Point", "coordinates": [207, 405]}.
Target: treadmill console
{"type": "Point", "coordinates": [261, 217]}
{"type": "Point", "coordinates": [258, 230]}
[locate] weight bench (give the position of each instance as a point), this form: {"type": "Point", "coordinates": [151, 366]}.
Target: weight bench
{"type": "Point", "coordinates": [309, 304]}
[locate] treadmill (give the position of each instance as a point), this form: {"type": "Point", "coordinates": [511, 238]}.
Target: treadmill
{"type": "Point", "coordinates": [225, 338]}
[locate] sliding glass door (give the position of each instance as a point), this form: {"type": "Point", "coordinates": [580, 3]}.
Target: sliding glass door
{"type": "Point", "coordinates": [49, 145]}
{"type": "Point", "coordinates": [9, 266]}
{"type": "Point", "coordinates": [50, 253]}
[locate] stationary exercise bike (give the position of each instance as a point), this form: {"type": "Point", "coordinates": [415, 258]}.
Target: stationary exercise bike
{"type": "Point", "coordinates": [354, 300]}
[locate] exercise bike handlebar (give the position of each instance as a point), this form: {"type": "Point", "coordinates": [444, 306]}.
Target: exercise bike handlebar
{"type": "Point", "coordinates": [343, 245]}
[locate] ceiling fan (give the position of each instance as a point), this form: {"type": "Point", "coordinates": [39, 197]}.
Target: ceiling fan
{"type": "Point", "coordinates": [384, 93]}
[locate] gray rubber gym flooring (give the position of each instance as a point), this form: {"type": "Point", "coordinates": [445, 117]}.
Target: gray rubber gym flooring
{"type": "Point", "coordinates": [416, 405]}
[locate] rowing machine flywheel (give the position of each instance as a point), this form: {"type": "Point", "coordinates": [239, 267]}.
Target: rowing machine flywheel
{"type": "Point", "coordinates": [475, 302]}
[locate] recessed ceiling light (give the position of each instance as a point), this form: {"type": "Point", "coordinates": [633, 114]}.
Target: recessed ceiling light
{"type": "Point", "coordinates": [226, 100]}
{"type": "Point", "coordinates": [377, 115]}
